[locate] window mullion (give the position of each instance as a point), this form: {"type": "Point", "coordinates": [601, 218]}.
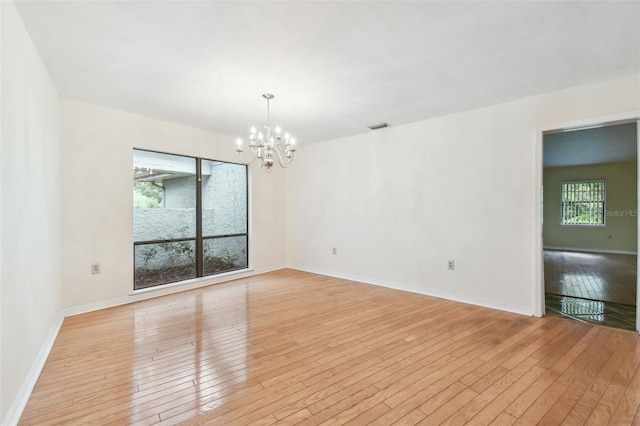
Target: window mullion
{"type": "Point", "coordinates": [199, 247]}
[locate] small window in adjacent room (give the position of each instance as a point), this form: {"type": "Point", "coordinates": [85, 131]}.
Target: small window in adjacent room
{"type": "Point", "coordinates": [583, 203]}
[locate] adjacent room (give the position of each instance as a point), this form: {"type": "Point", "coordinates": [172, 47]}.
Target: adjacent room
{"type": "Point", "coordinates": [591, 224]}
{"type": "Point", "coordinates": [230, 212]}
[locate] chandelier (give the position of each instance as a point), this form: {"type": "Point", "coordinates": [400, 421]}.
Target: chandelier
{"type": "Point", "coordinates": [268, 147]}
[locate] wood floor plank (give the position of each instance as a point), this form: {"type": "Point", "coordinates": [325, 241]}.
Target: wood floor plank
{"type": "Point", "coordinates": [449, 408]}
{"type": "Point", "coordinates": [628, 406]}
{"type": "Point", "coordinates": [503, 419]}
{"type": "Point", "coordinates": [554, 404]}
{"type": "Point", "coordinates": [439, 399]}
{"type": "Point", "coordinates": [342, 410]}
{"type": "Point", "coordinates": [573, 385]}
{"type": "Point", "coordinates": [414, 417]}
{"type": "Point", "coordinates": [527, 398]}
{"type": "Point", "coordinates": [580, 411]}
{"type": "Point", "coordinates": [290, 347]}
{"type": "Point", "coordinates": [469, 413]}
{"type": "Point", "coordinates": [369, 415]}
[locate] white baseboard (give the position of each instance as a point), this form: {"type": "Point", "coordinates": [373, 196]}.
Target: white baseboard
{"type": "Point", "coordinates": [21, 399]}
{"type": "Point", "coordinates": [151, 293]}
{"type": "Point", "coordinates": [589, 250]}
{"type": "Point", "coordinates": [521, 310]}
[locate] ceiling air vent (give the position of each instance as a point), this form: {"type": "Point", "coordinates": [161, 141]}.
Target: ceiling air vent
{"type": "Point", "coordinates": [379, 126]}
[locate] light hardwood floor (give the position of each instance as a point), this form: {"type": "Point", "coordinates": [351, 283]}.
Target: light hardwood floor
{"type": "Point", "coordinates": [290, 347]}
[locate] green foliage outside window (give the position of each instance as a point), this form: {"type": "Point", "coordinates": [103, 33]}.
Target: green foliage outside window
{"type": "Point", "coordinates": [147, 195]}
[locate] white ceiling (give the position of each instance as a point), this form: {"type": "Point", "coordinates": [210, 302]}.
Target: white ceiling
{"type": "Point", "coordinates": [335, 67]}
{"type": "Point", "coordinates": [610, 144]}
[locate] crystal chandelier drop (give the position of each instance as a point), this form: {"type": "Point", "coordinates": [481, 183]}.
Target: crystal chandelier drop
{"type": "Point", "coordinates": [268, 146]}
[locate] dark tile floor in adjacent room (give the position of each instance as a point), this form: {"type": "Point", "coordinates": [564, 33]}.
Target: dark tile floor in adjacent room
{"type": "Point", "coordinates": [592, 311]}
{"type": "Point", "coordinates": [591, 287]}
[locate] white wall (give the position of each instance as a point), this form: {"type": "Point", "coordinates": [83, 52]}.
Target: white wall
{"type": "Point", "coordinates": [401, 201]}
{"type": "Point", "coordinates": [30, 211]}
{"type": "Point", "coordinates": [2, 403]}
{"type": "Point", "coordinates": [97, 220]}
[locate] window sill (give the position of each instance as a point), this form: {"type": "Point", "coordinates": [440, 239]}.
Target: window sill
{"type": "Point", "coordinates": [210, 279]}
{"type": "Point", "coordinates": [583, 226]}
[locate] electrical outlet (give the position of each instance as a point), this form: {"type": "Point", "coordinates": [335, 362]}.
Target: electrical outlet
{"type": "Point", "coordinates": [334, 250]}
{"type": "Point", "coordinates": [95, 268]}
{"type": "Point", "coordinates": [451, 265]}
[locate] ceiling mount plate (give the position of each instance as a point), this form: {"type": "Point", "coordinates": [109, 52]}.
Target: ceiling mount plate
{"type": "Point", "coordinates": [379, 126]}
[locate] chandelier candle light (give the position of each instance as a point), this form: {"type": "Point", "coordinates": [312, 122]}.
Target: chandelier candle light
{"type": "Point", "coordinates": [267, 146]}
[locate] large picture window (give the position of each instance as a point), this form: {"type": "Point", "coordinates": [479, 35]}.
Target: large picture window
{"type": "Point", "coordinates": [189, 218]}
{"type": "Point", "coordinates": [583, 203]}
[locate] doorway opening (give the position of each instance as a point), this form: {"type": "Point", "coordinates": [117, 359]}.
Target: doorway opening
{"type": "Point", "coordinates": [590, 223]}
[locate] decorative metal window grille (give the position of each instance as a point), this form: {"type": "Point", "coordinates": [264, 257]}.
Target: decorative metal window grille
{"type": "Point", "coordinates": [583, 203]}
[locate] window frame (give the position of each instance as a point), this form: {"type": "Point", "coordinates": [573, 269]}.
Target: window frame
{"type": "Point", "coordinates": [604, 203]}
{"type": "Point", "coordinates": [199, 238]}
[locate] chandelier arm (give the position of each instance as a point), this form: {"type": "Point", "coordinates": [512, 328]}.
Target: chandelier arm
{"type": "Point", "coordinates": [282, 147]}
{"type": "Point", "coordinates": [245, 162]}
{"type": "Point", "coordinates": [284, 162]}
{"type": "Point", "coordinates": [285, 165]}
